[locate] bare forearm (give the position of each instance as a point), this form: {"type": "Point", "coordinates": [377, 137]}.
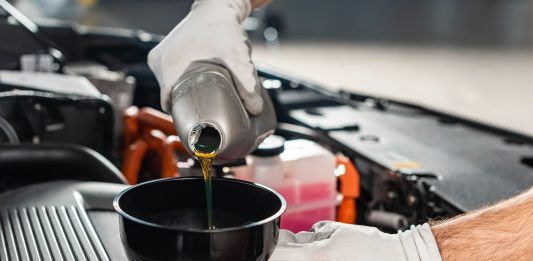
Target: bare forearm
{"type": "Point", "coordinates": [503, 231]}
{"type": "Point", "coordinates": [258, 3]}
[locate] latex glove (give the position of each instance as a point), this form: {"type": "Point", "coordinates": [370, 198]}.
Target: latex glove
{"type": "Point", "coordinates": [211, 32]}
{"type": "Point", "coordinates": [336, 241]}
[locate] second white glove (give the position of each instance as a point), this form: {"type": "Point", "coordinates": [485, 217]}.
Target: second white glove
{"type": "Point", "coordinates": [336, 241]}
{"type": "Point", "coordinates": [211, 32]}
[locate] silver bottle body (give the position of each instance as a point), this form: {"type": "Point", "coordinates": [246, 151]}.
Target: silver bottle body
{"type": "Point", "coordinates": [206, 96]}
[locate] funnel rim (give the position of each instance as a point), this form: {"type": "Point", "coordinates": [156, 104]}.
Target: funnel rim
{"type": "Point", "coordinates": [277, 214]}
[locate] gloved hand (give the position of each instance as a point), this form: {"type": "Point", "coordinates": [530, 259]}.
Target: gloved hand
{"type": "Point", "coordinates": [211, 32]}
{"type": "Point", "coordinates": [336, 241]}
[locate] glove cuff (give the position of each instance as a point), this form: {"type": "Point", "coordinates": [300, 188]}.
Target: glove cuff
{"type": "Point", "coordinates": [242, 8]}
{"type": "Point", "coordinates": [419, 243]}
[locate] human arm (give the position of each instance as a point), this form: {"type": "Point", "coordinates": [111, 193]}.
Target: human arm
{"type": "Point", "coordinates": [503, 231]}
{"type": "Point", "coordinates": [258, 3]}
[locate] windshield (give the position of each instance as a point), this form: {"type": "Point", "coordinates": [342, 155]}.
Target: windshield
{"type": "Point", "coordinates": [469, 58]}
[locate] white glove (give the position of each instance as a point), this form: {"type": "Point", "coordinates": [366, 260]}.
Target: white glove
{"type": "Point", "coordinates": [211, 32]}
{"type": "Point", "coordinates": [336, 241]}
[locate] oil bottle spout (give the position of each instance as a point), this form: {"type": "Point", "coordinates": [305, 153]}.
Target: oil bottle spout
{"type": "Point", "coordinates": [205, 138]}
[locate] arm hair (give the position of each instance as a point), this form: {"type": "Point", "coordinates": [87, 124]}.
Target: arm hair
{"type": "Point", "coordinates": [503, 231]}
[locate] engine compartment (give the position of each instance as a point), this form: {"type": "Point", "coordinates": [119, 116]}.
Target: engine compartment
{"type": "Point", "coordinates": [413, 163]}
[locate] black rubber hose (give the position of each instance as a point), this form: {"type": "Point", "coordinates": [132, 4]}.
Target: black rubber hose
{"type": "Point", "coordinates": [9, 131]}
{"type": "Point", "coordinates": [45, 162]}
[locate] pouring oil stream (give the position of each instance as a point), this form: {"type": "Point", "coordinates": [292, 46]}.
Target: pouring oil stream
{"type": "Point", "coordinates": [205, 149]}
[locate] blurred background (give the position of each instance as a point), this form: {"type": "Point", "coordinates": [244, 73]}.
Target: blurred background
{"type": "Point", "coordinates": [469, 58]}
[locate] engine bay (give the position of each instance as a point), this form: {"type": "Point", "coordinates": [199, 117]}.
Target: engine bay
{"type": "Point", "coordinates": [80, 120]}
